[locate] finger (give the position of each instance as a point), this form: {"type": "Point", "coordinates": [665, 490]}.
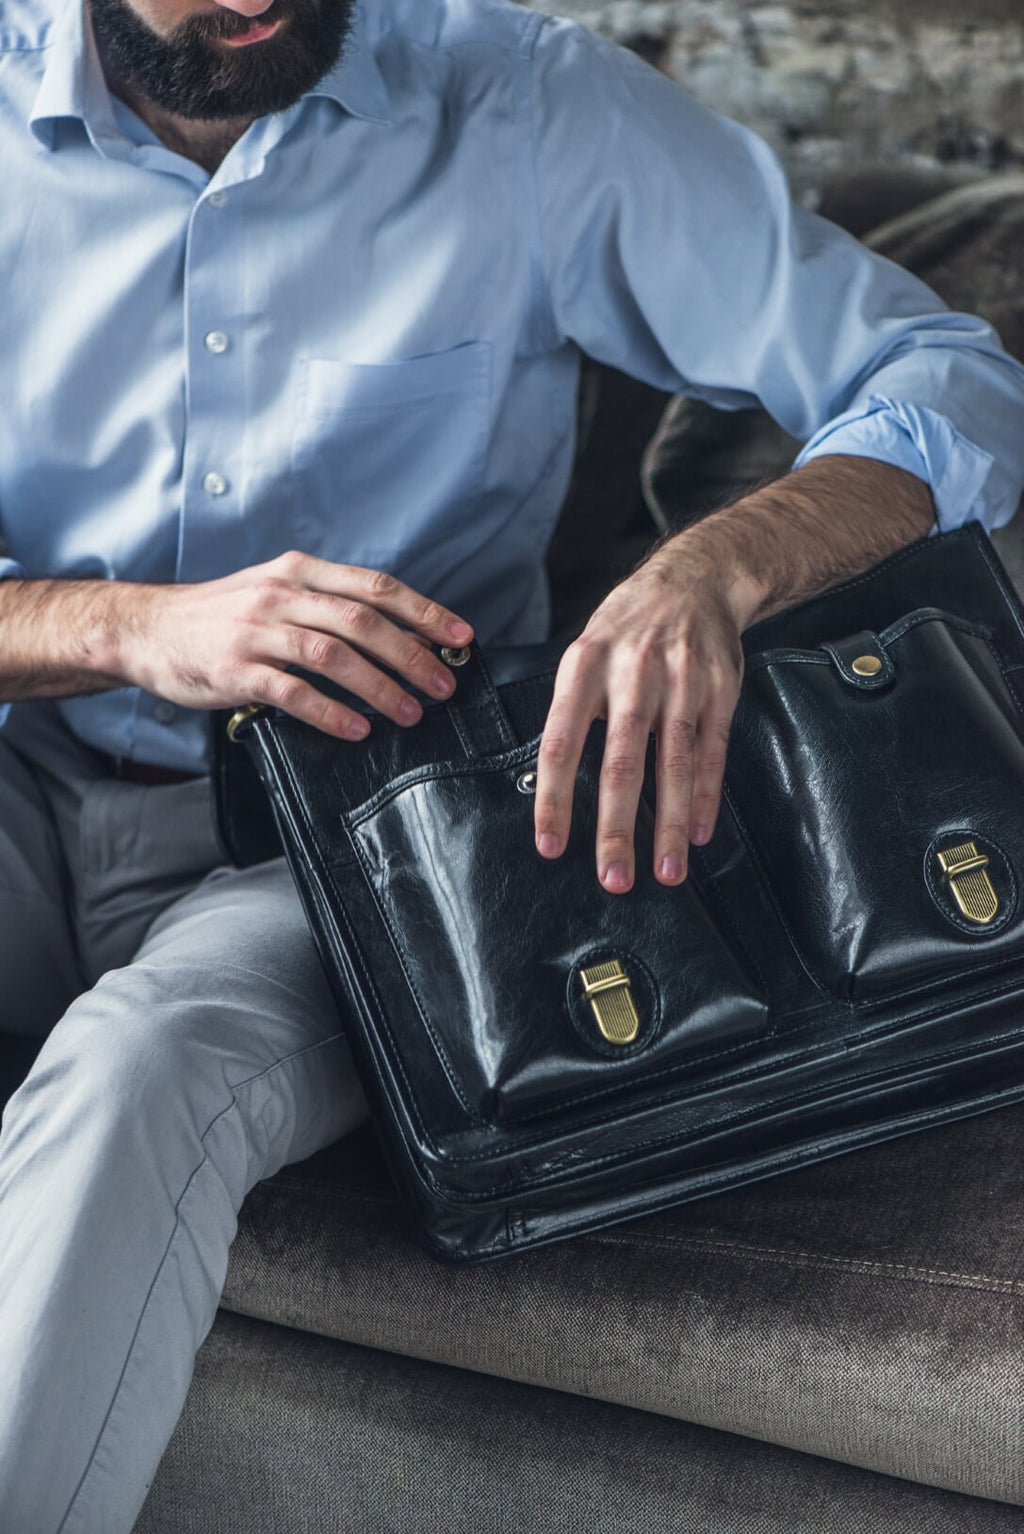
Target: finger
{"type": "Point", "coordinates": [676, 752]}
{"type": "Point", "coordinates": [380, 590]}
{"type": "Point", "coordinates": [574, 708]}
{"type": "Point", "coordinates": [622, 776]}
{"type": "Point", "coordinates": [709, 773]}
{"type": "Point", "coordinates": [333, 658]}
{"type": "Point", "coordinates": [281, 690]}
{"type": "Point", "coordinates": [337, 624]}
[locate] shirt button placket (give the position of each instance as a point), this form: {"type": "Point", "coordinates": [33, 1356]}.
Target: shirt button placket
{"type": "Point", "coordinates": [214, 450]}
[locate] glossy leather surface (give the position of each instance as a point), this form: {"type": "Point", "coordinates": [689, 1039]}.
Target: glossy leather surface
{"type": "Point", "coordinates": [812, 986]}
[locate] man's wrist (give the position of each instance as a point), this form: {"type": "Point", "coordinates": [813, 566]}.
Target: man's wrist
{"type": "Point", "coordinates": [710, 553]}
{"type": "Point", "coordinates": [793, 538]}
{"type": "Point", "coordinates": [62, 637]}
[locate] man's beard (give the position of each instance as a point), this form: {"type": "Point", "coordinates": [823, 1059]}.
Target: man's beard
{"type": "Point", "coordinates": [189, 74]}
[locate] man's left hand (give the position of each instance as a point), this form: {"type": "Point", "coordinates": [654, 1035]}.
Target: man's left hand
{"type": "Point", "coordinates": [662, 653]}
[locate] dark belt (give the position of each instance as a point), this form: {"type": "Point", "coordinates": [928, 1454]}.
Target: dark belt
{"type": "Point", "coordinates": [144, 772]}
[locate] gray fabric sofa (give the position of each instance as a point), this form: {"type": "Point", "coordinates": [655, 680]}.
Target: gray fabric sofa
{"type": "Point", "coordinates": [838, 1349]}
{"type": "Point", "coordinates": [850, 1339]}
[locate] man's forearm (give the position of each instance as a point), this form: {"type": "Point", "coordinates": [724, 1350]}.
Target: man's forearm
{"type": "Point", "coordinates": [60, 637]}
{"type": "Point", "coordinates": [239, 638]}
{"type": "Point", "coordinates": [790, 539]}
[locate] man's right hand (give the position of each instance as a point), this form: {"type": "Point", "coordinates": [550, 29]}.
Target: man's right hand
{"type": "Point", "coordinates": [220, 643]}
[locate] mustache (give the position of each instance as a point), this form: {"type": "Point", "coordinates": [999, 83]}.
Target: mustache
{"type": "Point", "coordinates": [221, 24]}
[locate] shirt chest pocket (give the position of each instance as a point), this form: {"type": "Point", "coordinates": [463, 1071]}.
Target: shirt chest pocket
{"type": "Point", "coordinates": [388, 458]}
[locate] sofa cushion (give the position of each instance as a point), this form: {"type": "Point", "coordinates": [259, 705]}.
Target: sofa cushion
{"type": "Point", "coordinates": [869, 1309]}
{"type": "Point", "coordinates": [291, 1434]}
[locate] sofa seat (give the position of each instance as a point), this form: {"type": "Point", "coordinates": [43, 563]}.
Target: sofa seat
{"type": "Point", "coordinates": [869, 1310]}
{"type": "Point", "coordinates": [286, 1433]}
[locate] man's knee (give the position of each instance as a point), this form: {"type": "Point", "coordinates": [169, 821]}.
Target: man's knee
{"type": "Point", "coordinates": [125, 1068]}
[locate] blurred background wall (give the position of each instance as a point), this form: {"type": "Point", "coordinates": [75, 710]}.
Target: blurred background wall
{"type": "Point", "coordinates": [832, 83]}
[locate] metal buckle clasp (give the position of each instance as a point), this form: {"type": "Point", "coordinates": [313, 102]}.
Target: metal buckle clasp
{"type": "Point", "coordinates": [607, 988]}
{"type": "Point", "coordinates": [964, 867]}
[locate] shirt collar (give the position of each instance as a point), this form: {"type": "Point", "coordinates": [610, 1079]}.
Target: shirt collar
{"type": "Point", "coordinates": [356, 83]}
{"type": "Point", "coordinates": [73, 83]}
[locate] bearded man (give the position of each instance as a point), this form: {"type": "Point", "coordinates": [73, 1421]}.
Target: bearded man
{"type": "Point", "coordinates": [296, 296]}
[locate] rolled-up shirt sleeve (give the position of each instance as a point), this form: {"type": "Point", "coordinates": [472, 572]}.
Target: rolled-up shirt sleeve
{"type": "Point", "coordinates": [926, 444]}
{"type": "Point", "coordinates": [672, 250]}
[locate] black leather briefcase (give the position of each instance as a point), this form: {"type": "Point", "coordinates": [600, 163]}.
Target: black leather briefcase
{"type": "Point", "coordinates": [845, 962]}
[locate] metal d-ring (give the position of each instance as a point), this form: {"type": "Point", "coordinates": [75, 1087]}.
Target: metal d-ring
{"type": "Point", "coordinates": [239, 717]}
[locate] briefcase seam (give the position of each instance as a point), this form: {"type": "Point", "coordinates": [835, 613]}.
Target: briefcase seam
{"type": "Point", "coordinates": [707, 887]}
{"type": "Point", "coordinates": [437, 772]}
{"type": "Point", "coordinates": [791, 1156]}
{"type": "Point", "coordinates": [1010, 599]}
{"type": "Point", "coordinates": [753, 852]}
{"type": "Point", "coordinates": [557, 1170]}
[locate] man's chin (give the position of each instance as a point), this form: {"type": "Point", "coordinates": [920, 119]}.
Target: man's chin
{"type": "Point", "coordinates": [265, 67]}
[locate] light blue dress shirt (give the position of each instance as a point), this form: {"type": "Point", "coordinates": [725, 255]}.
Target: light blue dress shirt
{"type": "Point", "coordinates": [361, 336]}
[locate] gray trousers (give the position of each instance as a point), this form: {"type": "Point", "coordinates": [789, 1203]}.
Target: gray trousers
{"type": "Point", "coordinates": [192, 1049]}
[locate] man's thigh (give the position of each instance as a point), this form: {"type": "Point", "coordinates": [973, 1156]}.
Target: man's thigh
{"type": "Point", "coordinates": [170, 965]}
{"type": "Point", "coordinates": [227, 992]}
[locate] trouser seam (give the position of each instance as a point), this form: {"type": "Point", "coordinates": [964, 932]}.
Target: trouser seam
{"type": "Point", "coordinates": [228, 1108]}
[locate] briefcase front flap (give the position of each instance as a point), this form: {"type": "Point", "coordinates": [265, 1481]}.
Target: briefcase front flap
{"type": "Point", "coordinates": [533, 987]}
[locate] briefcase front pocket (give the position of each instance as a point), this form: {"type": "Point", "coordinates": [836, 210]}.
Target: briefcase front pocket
{"type": "Point", "coordinates": [877, 780]}
{"type": "Point", "coordinates": [535, 987]}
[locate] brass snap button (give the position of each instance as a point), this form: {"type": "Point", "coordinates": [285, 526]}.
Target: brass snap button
{"type": "Point", "coordinates": [527, 782]}
{"type": "Point", "coordinates": [867, 665]}
{"type": "Point", "coordinates": [455, 657]}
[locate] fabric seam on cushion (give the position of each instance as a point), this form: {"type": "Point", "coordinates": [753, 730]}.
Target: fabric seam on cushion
{"type": "Point", "coordinates": [947, 1277]}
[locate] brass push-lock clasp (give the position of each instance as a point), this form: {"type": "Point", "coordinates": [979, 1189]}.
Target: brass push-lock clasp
{"type": "Point", "coordinates": [607, 988]}
{"type": "Point", "coordinates": [964, 866]}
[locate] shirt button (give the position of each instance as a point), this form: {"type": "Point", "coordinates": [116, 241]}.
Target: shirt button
{"type": "Point", "coordinates": [214, 483]}
{"type": "Point", "coordinates": [215, 341]}
{"type": "Point", "coordinates": [217, 199]}
{"type": "Point", "coordinates": [164, 712]}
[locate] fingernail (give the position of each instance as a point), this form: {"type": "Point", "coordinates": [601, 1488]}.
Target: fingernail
{"type": "Point", "coordinates": [460, 631]}
{"type": "Point", "coordinates": [616, 877]}
{"type": "Point", "coordinates": [700, 834]}
{"type": "Point", "coordinates": [671, 870]}
{"type": "Point", "coordinates": [409, 709]}
{"type": "Point", "coordinates": [359, 729]}
{"type": "Point", "coordinates": [443, 682]}
{"type": "Point", "coordinates": [548, 846]}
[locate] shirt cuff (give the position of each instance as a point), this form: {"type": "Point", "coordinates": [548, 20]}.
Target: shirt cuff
{"type": "Point", "coordinates": [917, 439]}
